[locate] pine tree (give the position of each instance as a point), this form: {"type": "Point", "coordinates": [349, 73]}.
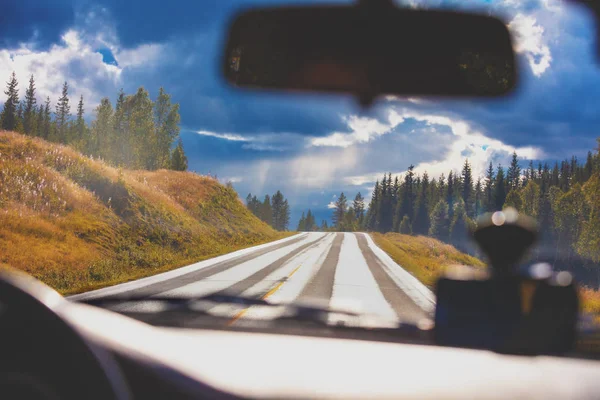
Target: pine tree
{"type": "Point", "coordinates": [302, 223]}
{"type": "Point", "coordinates": [589, 166]}
{"type": "Point", "coordinates": [513, 199]}
{"type": "Point", "coordinates": [80, 125]}
{"type": "Point", "coordinates": [459, 227]}
{"type": "Point", "coordinates": [139, 112]}
{"type": "Point", "coordinates": [265, 212]}
{"type": "Point", "coordinates": [179, 161]}
{"type": "Point", "coordinates": [530, 198]}
{"type": "Point", "coordinates": [29, 113]}
{"type": "Point", "coordinates": [405, 227]}
{"type": "Point", "coordinates": [359, 208]}
{"type": "Point", "coordinates": [490, 204]}
{"type": "Point", "coordinates": [101, 128]}
{"type": "Point", "coordinates": [9, 112]}
{"type": "Point", "coordinates": [406, 204]}
{"type": "Point", "coordinates": [310, 221]}
{"type": "Point", "coordinates": [588, 244]}
{"type": "Point", "coordinates": [450, 195]}
{"type": "Point", "coordinates": [554, 179]}
{"type": "Point", "coordinates": [120, 143]}
{"type": "Point", "coordinates": [372, 223]}
{"type": "Point", "coordinates": [478, 201]}
{"type": "Point", "coordinates": [324, 226]}
{"type": "Point", "coordinates": [39, 121]}
{"type": "Point", "coordinates": [421, 220]}
{"type": "Point", "coordinates": [166, 122]}
{"type": "Point", "coordinates": [341, 206]}
{"type": "Point", "coordinates": [440, 223]}
{"type": "Point", "coordinates": [20, 111]}
{"type": "Point", "coordinates": [47, 120]}
{"type": "Point", "coordinates": [63, 115]}
{"type": "Point", "coordinates": [467, 188]}
{"type": "Point", "coordinates": [513, 174]}
{"type": "Point", "coordinates": [499, 189]}
{"type": "Point", "coordinates": [284, 217]}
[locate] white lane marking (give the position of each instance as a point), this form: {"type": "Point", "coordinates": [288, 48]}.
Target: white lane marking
{"type": "Point", "coordinates": [354, 285]}
{"type": "Point", "coordinates": [140, 283]}
{"type": "Point", "coordinates": [309, 262]}
{"type": "Point", "coordinates": [219, 281]}
{"type": "Point", "coordinates": [240, 272]}
{"type": "Point", "coordinates": [417, 291]}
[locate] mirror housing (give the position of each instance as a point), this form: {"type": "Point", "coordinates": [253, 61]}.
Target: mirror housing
{"type": "Point", "coordinates": [503, 309]}
{"type": "Point", "coordinates": [370, 49]}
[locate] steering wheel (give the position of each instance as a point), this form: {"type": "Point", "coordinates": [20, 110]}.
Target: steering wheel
{"type": "Point", "coordinates": [41, 355]}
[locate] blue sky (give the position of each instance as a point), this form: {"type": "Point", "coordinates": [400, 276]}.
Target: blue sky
{"type": "Point", "coordinates": [310, 147]}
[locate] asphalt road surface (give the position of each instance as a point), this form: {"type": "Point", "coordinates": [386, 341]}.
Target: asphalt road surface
{"type": "Point", "coordinates": [341, 270]}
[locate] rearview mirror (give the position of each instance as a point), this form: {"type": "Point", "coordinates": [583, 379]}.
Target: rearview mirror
{"type": "Point", "coordinates": [370, 50]}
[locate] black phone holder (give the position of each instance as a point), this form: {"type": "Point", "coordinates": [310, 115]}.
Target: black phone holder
{"type": "Point", "coordinates": [533, 312]}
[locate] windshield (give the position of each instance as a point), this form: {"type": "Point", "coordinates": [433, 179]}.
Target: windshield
{"type": "Point", "coordinates": [129, 166]}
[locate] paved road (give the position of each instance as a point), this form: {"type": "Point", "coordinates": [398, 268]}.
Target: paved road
{"type": "Point", "coordinates": [342, 270]}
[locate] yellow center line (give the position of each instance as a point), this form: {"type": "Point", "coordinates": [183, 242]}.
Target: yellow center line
{"type": "Point", "coordinates": [241, 313]}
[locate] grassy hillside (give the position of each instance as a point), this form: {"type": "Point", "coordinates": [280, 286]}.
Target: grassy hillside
{"type": "Point", "coordinates": [422, 256]}
{"type": "Point", "coordinates": [78, 224]}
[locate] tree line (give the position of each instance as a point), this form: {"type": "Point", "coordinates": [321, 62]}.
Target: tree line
{"type": "Point", "coordinates": [563, 198]}
{"type": "Point", "coordinates": [136, 133]}
{"type": "Point", "coordinates": [273, 210]}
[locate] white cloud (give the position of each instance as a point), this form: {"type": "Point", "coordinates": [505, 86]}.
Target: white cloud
{"type": "Point", "coordinates": [529, 38]}
{"type": "Point", "coordinates": [225, 136]}
{"type": "Point", "coordinates": [76, 60]}
{"type": "Point", "coordinates": [479, 149]}
{"type": "Point", "coordinates": [140, 56]}
{"type": "Point", "coordinates": [232, 179]}
{"type": "Point", "coordinates": [331, 205]}
{"type": "Point", "coordinates": [53, 67]}
{"type": "Point", "coordinates": [363, 130]}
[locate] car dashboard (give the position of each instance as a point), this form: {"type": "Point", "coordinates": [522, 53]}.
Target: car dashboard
{"type": "Point", "coordinates": [176, 363]}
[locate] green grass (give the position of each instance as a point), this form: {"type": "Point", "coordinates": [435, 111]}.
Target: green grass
{"type": "Point", "coordinates": [425, 258]}
{"type": "Point", "coordinates": [79, 224]}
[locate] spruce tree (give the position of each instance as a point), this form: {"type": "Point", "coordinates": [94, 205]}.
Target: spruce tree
{"type": "Point", "coordinates": [459, 227]}
{"type": "Point", "coordinates": [80, 125]}
{"type": "Point", "coordinates": [513, 174]}
{"type": "Point", "coordinates": [179, 161]}
{"type": "Point", "coordinates": [440, 223]}
{"type": "Point", "coordinates": [63, 115]}
{"type": "Point", "coordinates": [513, 199]}
{"type": "Point", "coordinates": [29, 113]}
{"type": "Point", "coordinates": [499, 189]}
{"type": "Point", "coordinates": [421, 220]}
{"type": "Point", "coordinates": [39, 119]}
{"type": "Point", "coordinates": [359, 208]}
{"type": "Point", "coordinates": [490, 204]}
{"type": "Point", "coordinates": [324, 226]}
{"type": "Point", "coordinates": [467, 188]}
{"type": "Point", "coordinates": [265, 211]}
{"type": "Point", "coordinates": [405, 227]}
{"type": "Point", "coordinates": [372, 224]}
{"type": "Point", "coordinates": [47, 120]}
{"type": "Point", "coordinates": [450, 195]}
{"type": "Point", "coordinates": [341, 206]}
{"type": "Point", "coordinates": [302, 223]}
{"type": "Point", "coordinates": [20, 111]}
{"type": "Point", "coordinates": [478, 201]}
{"type": "Point", "coordinates": [9, 112]}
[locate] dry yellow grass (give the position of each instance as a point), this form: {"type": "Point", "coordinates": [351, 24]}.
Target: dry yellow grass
{"type": "Point", "coordinates": [424, 257]}
{"type": "Point", "coordinates": [79, 224]}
